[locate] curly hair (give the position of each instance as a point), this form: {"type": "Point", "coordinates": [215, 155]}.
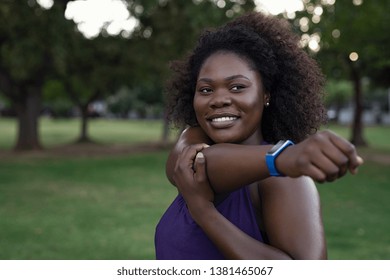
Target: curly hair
{"type": "Point", "coordinates": [291, 77]}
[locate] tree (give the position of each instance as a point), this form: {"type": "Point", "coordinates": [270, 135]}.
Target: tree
{"type": "Point", "coordinates": [30, 53]}
{"type": "Point", "coordinates": [94, 69]}
{"type": "Point", "coordinates": [354, 43]}
{"type": "Point", "coordinates": [39, 46]}
{"type": "Point", "coordinates": [338, 94]}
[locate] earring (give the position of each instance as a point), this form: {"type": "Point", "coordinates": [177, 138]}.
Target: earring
{"type": "Point", "coordinates": [267, 104]}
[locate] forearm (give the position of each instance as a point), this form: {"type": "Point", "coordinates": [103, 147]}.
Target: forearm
{"type": "Point", "coordinates": [231, 241]}
{"type": "Point", "coordinates": [323, 157]}
{"type": "Point", "coordinates": [230, 166]}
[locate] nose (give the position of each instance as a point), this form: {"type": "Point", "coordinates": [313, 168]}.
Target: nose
{"type": "Point", "coordinates": [220, 99]}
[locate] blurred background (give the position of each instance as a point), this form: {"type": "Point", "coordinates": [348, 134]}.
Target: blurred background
{"type": "Point", "coordinates": [83, 138]}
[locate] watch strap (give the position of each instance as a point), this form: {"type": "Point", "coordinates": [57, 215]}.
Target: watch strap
{"type": "Point", "coordinates": [271, 156]}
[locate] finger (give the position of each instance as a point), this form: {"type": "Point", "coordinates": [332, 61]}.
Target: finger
{"type": "Point", "coordinates": [338, 158]}
{"type": "Point", "coordinates": [348, 149]}
{"type": "Point", "coordinates": [315, 173]}
{"type": "Point", "coordinates": [192, 150]}
{"type": "Point", "coordinates": [327, 167]}
{"type": "Point", "coordinates": [188, 154]}
{"type": "Point", "coordinates": [200, 167]}
{"type": "Point", "coordinates": [354, 170]}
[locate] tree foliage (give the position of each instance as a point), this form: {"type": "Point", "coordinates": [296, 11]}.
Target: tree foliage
{"type": "Point", "coordinates": [354, 44]}
{"type": "Point", "coordinates": [43, 55]}
{"type": "Point", "coordinates": [30, 53]}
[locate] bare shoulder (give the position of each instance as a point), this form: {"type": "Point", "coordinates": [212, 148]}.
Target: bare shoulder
{"type": "Point", "coordinates": [292, 216]}
{"type": "Point", "coordinates": [290, 196]}
{"type": "Point", "coordinates": [290, 188]}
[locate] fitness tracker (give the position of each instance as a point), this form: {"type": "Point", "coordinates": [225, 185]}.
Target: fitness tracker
{"type": "Point", "coordinates": [273, 153]}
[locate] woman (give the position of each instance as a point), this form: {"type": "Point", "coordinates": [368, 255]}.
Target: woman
{"type": "Point", "coordinates": [244, 87]}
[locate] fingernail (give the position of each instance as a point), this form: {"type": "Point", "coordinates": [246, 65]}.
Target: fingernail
{"type": "Point", "coordinates": [199, 155]}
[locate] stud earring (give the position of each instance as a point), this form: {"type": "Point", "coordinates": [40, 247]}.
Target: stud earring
{"type": "Point", "coordinates": [266, 104]}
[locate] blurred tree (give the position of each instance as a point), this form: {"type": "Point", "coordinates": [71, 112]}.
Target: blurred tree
{"type": "Point", "coordinates": [352, 41]}
{"type": "Point", "coordinates": [94, 69]}
{"type": "Point", "coordinates": [41, 51]}
{"type": "Point", "coordinates": [30, 53]}
{"type": "Point", "coordinates": [55, 99]}
{"type": "Point", "coordinates": [339, 93]}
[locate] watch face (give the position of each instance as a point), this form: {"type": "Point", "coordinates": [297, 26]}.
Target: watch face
{"type": "Point", "coordinates": [276, 147]}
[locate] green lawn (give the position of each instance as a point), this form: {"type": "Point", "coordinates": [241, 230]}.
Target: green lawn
{"type": "Point", "coordinates": [107, 207]}
{"type": "Point", "coordinates": [356, 213]}
{"type": "Point", "coordinates": [101, 208]}
{"type": "Point", "coordinates": [55, 132]}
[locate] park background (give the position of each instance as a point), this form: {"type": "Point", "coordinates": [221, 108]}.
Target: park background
{"type": "Point", "coordinates": [83, 138]}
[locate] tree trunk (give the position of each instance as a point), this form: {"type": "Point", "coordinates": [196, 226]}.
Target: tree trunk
{"type": "Point", "coordinates": [84, 138]}
{"type": "Point", "coordinates": [28, 111]}
{"type": "Point", "coordinates": [357, 125]}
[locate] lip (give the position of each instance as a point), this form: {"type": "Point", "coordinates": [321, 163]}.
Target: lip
{"type": "Point", "coordinates": [222, 120]}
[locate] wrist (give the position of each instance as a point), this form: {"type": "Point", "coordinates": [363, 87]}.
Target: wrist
{"type": "Point", "coordinates": [272, 156]}
{"type": "Point", "coordinates": [201, 212]}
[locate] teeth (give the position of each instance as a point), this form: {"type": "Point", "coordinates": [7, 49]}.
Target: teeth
{"type": "Point", "coordinates": [224, 119]}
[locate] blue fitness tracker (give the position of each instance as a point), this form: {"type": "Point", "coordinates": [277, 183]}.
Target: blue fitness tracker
{"type": "Point", "coordinates": [273, 153]}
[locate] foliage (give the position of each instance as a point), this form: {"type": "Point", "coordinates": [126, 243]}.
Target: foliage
{"type": "Point", "coordinates": [55, 100]}
{"type": "Point", "coordinates": [31, 52]}
{"type": "Point", "coordinates": [143, 102]}
{"type": "Point", "coordinates": [346, 27]}
{"type": "Point", "coordinates": [353, 44]}
{"type": "Point", "coordinates": [338, 93]}
{"type": "Point", "coordinates": [39, 45]}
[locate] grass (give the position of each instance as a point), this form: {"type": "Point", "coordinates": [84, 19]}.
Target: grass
{"type": "Point", "coordinates": [356, 213]}
{"type": "Point", "coordinates": [102, 208]}
{"type": "Point", "coordinates": [57, 132]}
{"type": "Point", "coordinates": [107, 207]}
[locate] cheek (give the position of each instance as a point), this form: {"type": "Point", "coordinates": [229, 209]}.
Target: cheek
{"type": "Point", "coordinates": [197, 105]}
{"type": "Point", "coordinates": [255, 109]}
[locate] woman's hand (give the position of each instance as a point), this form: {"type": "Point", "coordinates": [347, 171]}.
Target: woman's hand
{"type": "Point", "coordinates": [323, 156]}
{"type": "Point", "coordinates": [191, 180]}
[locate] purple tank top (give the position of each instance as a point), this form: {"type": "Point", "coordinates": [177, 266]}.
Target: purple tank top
{"type": "Point", "coordinates": [178, 237]}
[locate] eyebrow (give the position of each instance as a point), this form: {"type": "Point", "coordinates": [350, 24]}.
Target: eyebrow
{"type": "Point", "coordinates": [226, 79]}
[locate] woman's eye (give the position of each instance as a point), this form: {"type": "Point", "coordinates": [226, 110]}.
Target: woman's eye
{"type": "Point", "coordinates": [237, 88]}
{"type": "Point", "coordinates": [205, 90]}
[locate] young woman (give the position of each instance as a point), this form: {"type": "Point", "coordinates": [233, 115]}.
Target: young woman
{"type": "Point", "coordinates": [242, 193]}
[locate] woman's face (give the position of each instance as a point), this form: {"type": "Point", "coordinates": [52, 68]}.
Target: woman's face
{"type": "Point", "coordinates": [229, 99]}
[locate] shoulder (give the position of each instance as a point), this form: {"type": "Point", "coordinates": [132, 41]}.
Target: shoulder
{"type": "Point", "coordinates": [287, 195]}
{"type": "Point", "coordinates": [292, 216]}
{"type": "Point", "coordinates": [300, 188]}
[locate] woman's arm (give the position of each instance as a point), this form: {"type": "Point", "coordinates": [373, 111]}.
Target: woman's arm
{"type": "Point", "coordinates": [291, 214]}
{"type": "Point", "coordinates": [323, 157]}
{"type": "Point", "coordinates": [229, 165]}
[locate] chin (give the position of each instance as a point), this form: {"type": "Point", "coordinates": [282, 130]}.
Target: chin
{"type": "Point", "coordinates": [226, 139]}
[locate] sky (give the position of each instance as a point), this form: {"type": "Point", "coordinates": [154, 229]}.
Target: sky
{"type": "Point", "coordinates": [91, 15]}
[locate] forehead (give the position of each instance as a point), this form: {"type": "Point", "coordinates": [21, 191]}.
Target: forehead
{"type": "Point", "coordinates": [227, 63]}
